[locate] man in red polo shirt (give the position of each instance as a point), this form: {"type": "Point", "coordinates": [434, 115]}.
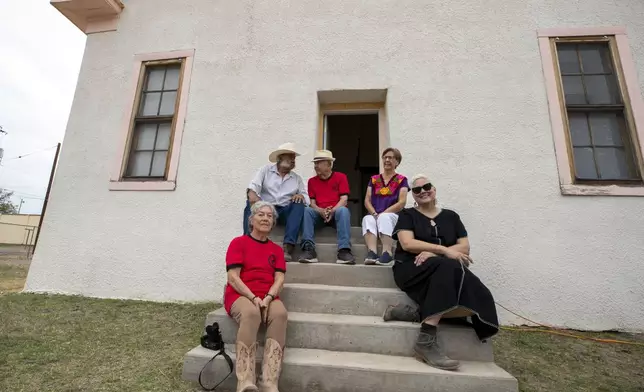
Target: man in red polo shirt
{"type": "Point", "coordinates": [329, 192]}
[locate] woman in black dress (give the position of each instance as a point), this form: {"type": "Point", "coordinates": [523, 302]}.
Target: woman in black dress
{"type": "Point", "coordinates": [432, 267]}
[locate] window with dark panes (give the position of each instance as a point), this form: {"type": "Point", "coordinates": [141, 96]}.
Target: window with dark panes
{"type": "Point", "coordinates": [154, 118]}
{"type": "Point", "coordinates": [600, 139]}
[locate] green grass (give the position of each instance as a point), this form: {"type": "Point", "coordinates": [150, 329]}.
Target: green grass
{"type": "Point", "coordinates": [545, 362]}
{"type": "Point", "coordinates": [62, 343]}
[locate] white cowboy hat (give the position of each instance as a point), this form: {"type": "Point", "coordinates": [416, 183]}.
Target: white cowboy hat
{"type": "Point", "coordinates": [323, 155]}
{"type": "Point", "coordinates": [286, 148]}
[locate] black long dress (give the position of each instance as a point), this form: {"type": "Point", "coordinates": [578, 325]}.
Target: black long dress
{"type": "Point", "coordinates": [440, 285]}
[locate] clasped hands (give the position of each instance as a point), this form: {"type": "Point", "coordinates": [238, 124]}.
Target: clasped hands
{"type": "Point", "coordinates": [262, 306]}
{"type": "Point", "coordinates": [326, 214]}
{"type": "Point", "coordinates": [464, 259]}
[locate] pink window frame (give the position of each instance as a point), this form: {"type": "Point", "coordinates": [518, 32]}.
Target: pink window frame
{"type": "Point", "coordinates": [169, 184]}
{"type": "Point", "coordinates": [632, 91]}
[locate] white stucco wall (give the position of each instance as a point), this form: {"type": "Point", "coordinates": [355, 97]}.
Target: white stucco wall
{"type": "Point", "coordinates": [466, 104]}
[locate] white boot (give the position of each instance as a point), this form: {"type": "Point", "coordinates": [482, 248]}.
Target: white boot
{"type": "Point", "coordinates": [271, 366]}
{"type": "Point", "coordinates": [245, 367]}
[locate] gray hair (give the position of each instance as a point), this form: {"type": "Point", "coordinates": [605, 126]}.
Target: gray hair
{"type": "Point", "coordinates": [418, 177]}
{"type": "Point", "coordinates": [254, 209]}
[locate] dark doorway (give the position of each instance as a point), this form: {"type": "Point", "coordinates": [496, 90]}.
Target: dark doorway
{"type": "Point", "coordinates": [353, 139]}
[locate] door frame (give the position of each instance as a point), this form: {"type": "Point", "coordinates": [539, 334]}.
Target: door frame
{"type": "Point", "coordinates": [354, 108]}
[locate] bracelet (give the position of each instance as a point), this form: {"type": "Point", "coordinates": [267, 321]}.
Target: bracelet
{"type": "Point", "coordinates": [253, 299]}
{"type": "Point", "coordinates": [272, 296]}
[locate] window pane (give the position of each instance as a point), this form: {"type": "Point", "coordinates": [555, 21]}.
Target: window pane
{"type": "Point", "coordinates": [612, 163]}
{"type": "Point", "coordinates": [145, 134]}
{"type": "Point", "coordinates": [573, 90]}
{"type": "Point", "coordinates": [595, 58]}
{"type": "Point", "coordinates": [568, 60]}
{"type": "Point", "coordinates": [601, 89]}
{"type": "Point", "coordinates": [139, 165]}
{"type": "Point", "coordinates": [155, 78]}
{"type": "Point", "coordinates": [585, 163]}
{"type": "Point", "coordinates": [158, 164]}
{"type": "Point", "coordinates": [606, 129]}
{"type": "Point", "coordinates": [163, 137]}
{"type": "Point", "coordinates": [579, 129]}
{"type": "Point", "coordinates": [167, 103]}
{"type": "Point", "coordinates": [150, 104]}
{"type": "Point", "coordinates": [172, 78]}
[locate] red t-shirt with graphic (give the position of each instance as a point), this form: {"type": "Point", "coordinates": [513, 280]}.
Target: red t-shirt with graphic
{"type": "Point", "coordinates": [258, 260]}
{"type": "Point", "coordinates": [327, 192]}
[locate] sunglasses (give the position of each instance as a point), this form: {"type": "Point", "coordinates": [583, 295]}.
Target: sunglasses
{"type": "Point", "coordinates": [417, 189]}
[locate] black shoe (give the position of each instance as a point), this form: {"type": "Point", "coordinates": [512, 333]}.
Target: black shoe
{"type": "Point", "coordinates": [288, 252]}
{"type": "Point", "coordinates": [371, 259]}
{"type": "Point", "coordinates": [429, 351]}
{"type": "Point", "coordinates": [385, 259]}
{"type": "Point", "coordinates": [401, 313]}
{"type": "Point", "coordinates": [345, 257]}
{"type": "Point", "coordinates": [308, 255]}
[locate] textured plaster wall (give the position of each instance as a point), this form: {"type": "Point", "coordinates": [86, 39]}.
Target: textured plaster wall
{"type": "Point", "coordinates": [466, 104]}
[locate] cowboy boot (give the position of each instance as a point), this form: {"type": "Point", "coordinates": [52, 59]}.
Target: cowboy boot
{"type": "Point", "coordinates": [271, 366]}
{"type": "Point", "coordinates": [401, 312]}
{"type": "Point", "coordinates": [245, 367]}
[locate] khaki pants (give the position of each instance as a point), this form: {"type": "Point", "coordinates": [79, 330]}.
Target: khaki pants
{"type": "Point", "coordinates": [249, 319]}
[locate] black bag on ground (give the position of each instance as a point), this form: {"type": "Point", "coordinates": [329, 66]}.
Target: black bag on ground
{"type": "Point", "coordinates": [212, 340]}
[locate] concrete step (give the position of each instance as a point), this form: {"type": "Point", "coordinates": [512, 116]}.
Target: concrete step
{"type": "Point", "coordinates": [328, 253]}
{"type": "Point", "coordinates": [322, 235]}
{"type": "Point", "coordinates": [340, 275]}
{"type": "Point", "coordinates": [333, 371]}
{"type": "Point", "coordinates": [367, 334]}
{"type": "Point", "coordinates": [357, 301]}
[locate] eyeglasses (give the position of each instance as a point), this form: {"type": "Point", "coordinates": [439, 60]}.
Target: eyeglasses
{"type": "Point", "coordinates": [417, 189]}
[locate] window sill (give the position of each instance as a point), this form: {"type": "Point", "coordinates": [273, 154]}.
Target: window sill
{"type": "Point", "coordinates": [142, 185]}
{"type": "Point", "coordinates": [602, 190]}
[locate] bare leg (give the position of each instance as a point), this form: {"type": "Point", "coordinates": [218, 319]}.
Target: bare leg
{"type": "Point", "coordinates": [387, 243]}
{"type": "Point", "coordinates": [372, 242]}
{"type": "Point", "coordinates": [432, 320]}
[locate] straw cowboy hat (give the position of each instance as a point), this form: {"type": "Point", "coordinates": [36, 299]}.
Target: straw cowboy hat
{"type": "Point", "coordinates": [323, 155]}
{"type": "Point", "coordinates": [286, 148]}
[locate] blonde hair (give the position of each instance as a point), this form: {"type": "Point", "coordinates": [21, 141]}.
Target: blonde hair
{"type": "Point", "coordinates": [419, 177]}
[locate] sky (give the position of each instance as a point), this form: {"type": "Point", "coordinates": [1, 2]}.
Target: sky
{"type": "Point", "coordinates": [41, 57]}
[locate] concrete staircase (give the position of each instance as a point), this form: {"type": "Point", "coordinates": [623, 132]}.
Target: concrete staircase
{"type": "Point", "coordinates": [337, 340]}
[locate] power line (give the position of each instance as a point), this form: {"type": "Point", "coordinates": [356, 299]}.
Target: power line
{"type": "Point", "coordinates": [27, 195]}
{"type": "Point", "coordinates": [31, 153]}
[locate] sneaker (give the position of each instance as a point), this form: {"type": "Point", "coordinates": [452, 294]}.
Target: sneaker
{"type": "Point", "coordinates": [345, 257]}
{"type": "Point", "coordinates": [428, 350]}
{"type": "Point", "coordinates": [288, 252]}
{"type": "Point", "coordinates": [385, 259]}
{"type": "Point", "coordinates": [371, 259]}
{"type": "Point", "coordinates": [308, 255]}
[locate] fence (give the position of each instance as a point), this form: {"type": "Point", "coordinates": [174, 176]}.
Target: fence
{"type": "Point", "coordinates": [18, 234]}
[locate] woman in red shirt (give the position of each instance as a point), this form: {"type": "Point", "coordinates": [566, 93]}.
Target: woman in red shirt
{"type": "Point", "coordinates": [256, 269]}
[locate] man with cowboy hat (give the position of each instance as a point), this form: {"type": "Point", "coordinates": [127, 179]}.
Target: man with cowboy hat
{"type": "Point", "coordinates": [279, 185]}
{"type": "Point", "coordinates": [329, 192]}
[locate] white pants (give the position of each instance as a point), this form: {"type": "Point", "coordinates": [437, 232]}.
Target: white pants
{"type": "Point", "coordinates": [385, 225]}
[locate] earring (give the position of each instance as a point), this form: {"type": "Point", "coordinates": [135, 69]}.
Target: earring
{"type": "Point", "coordinates": [415, 204]}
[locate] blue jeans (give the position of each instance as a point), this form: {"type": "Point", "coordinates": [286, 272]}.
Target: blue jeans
{"type": "Point", "coordinates": [341, 221]}
{"type": "Point", "coordinates": [289, 215]}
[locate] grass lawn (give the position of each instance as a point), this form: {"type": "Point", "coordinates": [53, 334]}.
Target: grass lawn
{"type": "Point", "coordinates": [61, 343]}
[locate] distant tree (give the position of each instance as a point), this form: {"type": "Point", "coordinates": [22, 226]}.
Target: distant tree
{"type": "Point", "coordinates": [6, 206]}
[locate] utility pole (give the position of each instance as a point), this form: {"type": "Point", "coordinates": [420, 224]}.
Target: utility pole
{"type": "Point", "coordinates": [2, 132]}
{"type": "Point", "coordinates": [22, 201]}
{"type": "Point", "coordinates": [44, 206]}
